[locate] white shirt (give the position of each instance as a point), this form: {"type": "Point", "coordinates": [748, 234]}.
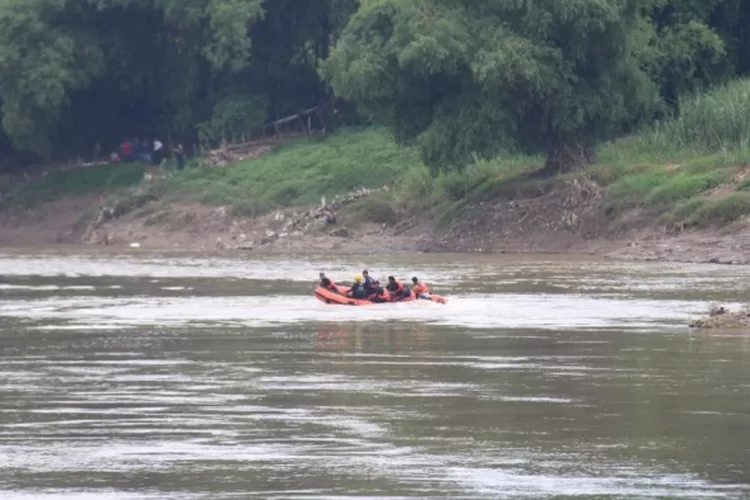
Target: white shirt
{"type": "Point", "coordinates": [158, 145]}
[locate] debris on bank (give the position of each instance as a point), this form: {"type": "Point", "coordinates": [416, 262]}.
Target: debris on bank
{"type": "Point", "coordinates": [296, 224]}
{"type": "Point", "coordinates": [720, 317]}
{"type": "Point", "coordinates": [147, 191]}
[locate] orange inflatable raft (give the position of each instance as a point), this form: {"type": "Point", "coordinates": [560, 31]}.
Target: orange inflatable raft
{"type": "Point", "coordinates": [331, 297]}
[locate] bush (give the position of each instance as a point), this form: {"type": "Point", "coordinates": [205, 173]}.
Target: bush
{"type": "Point", "coordinates": [378, 208]}
{"type": "Point", "coordinates": [447, 213]}
{"type": "Point", "coordinates": [721, 210]}
{"type": "Point", "coordinates": [417, 188]}
{"type": "Point", "coordinates": [251, 208]}
{"type": "Point", "coordinates": [482, 177]}
{"type": "Point", "coordinates": [457, 185]}
{"type": "Point", "coordinates": [285, 194]}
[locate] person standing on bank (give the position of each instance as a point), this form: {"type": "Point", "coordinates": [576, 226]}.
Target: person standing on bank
{"type": "Point", "coordinates": [179, 156]}
{"type": "Point", "coordinates": [158, 153]}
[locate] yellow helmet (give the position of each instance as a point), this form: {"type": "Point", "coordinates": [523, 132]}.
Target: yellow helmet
{"type": "Point", "coordinates": [358, 278]}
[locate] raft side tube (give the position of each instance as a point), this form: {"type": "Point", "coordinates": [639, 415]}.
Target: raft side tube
{"type": "Point", "coordinates": [330, 297]}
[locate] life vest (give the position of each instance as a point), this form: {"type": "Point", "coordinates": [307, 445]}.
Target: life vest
{"type": "Point", "coordinates": [420, 288]}
{"type": "Point", "coordinates": [358, 291]}
{"type": "Point", "coordinates": [379, 295]}
{"type": "Point", "coordinates": [396, 287]}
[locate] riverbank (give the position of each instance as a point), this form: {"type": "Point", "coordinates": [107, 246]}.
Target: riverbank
{"type": "Point", "coordinates": [541, 225]}
{"type": "Point", "coordinates": [675, 192]}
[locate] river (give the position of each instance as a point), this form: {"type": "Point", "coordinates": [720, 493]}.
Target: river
{"type": "Point", "coordinates": [147, 376]}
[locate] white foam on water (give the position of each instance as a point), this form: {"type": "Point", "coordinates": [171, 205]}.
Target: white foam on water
{"type": "Point", "coordinates": [473, 311]}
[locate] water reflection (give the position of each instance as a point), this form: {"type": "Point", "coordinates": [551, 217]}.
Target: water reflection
{"type": "Point", "coordinates": [357, 336]}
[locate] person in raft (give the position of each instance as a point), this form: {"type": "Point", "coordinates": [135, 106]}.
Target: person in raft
{"type": "Point", "coordinates": [378, 293]}
{"type": "Point", "coordinates": [369, 282]}
{"type": "Point", "coordinates": [357, 290]}
{"type": "Point", "coordinates": [328, 283]}
{"type": "Point", "coordinates": [421, 290]}
{"type": "Point", "coordinates": [397, 289]}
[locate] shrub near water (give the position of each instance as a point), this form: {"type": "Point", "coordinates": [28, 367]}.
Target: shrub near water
{"type": "Point", "coordinates": [721, 210]}
{"type": "Point", "coordinates": [378, 208]}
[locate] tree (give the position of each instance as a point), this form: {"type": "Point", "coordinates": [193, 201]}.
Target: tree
{"type": "Point", "coordinates": [474, 77]}
{"type": "Point", "coordinates": [678, 47]}
{"type": "Point", "coordinates": [76, 72]}
{"type": "Point", "coordinates": [78, 65]}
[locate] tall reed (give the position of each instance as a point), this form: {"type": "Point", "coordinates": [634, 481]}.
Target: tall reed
{"type": "Point", "coordinates": [713, 121]}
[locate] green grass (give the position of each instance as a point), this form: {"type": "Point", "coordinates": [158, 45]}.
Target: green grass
{"type": "Point", "coordinates": [710, 121]}
{"type": "Point", "coordinates": [78, 182]}
{"type": "Point", "coordinates": [660, 189]}
{"type": "Point", "coordinates": [683, 186]}
{"type": "Point", "coordinates": [722, 210]}
{"type": "Point", "coordinates": [704, 212]}
{"type": "Point", "coordinates": [299, 173]}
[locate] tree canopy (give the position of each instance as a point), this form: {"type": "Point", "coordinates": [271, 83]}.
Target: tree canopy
{"type": "Point", "coordinates": [460, 78]}
{"type": "Point", "coordinates": [74, 72]}
{"type": "Point", "coordinates": [464, 78]}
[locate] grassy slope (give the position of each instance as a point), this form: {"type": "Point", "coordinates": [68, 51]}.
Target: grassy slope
{"type": "Point", "coordinates": [671, 169]}
{"type": "Point", "coordinates": [78, 182]}
{"type": "Point", "coordinates": [667, 171]}
{"type": "Point", "coordinates": [300, 173]}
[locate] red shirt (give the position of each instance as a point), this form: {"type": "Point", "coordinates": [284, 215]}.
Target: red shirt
{"type": "Point", "coordinates": [126, 148]}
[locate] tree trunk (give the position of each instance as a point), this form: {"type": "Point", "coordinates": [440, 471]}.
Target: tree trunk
{"type": "Point", "coordinates": [563, 159]}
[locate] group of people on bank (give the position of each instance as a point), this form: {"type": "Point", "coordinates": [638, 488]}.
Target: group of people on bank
{"type": "Point", "coordinates": [136, 150]}
{"type": "Point", "coordinates": [365, 287]}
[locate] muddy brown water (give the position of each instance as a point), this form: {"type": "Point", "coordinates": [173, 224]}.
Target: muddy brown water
{"type": "Point", "coordinates": [146, 376]}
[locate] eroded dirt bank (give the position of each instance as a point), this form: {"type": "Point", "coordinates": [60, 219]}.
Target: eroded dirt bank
{"type": "Point", "coordinates": [569, 219]}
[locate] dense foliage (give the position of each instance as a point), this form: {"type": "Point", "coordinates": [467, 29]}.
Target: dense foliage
{"type": "Point", "coordinates": [460, 78]}
{"type": "Point", "coordinates": [466, 78]}
{"type": "Point", "coordinates": [75, 72]}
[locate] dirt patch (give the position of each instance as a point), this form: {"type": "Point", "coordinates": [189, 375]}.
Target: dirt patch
{"type": "Point", "coordinates": [572, 219]}
{"type": "Point", "coordinates": [202, 228]}
{"type": "Point", "coordinates": [61, 221]}
{"type": "Point", "coordinates": [567, 219]}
